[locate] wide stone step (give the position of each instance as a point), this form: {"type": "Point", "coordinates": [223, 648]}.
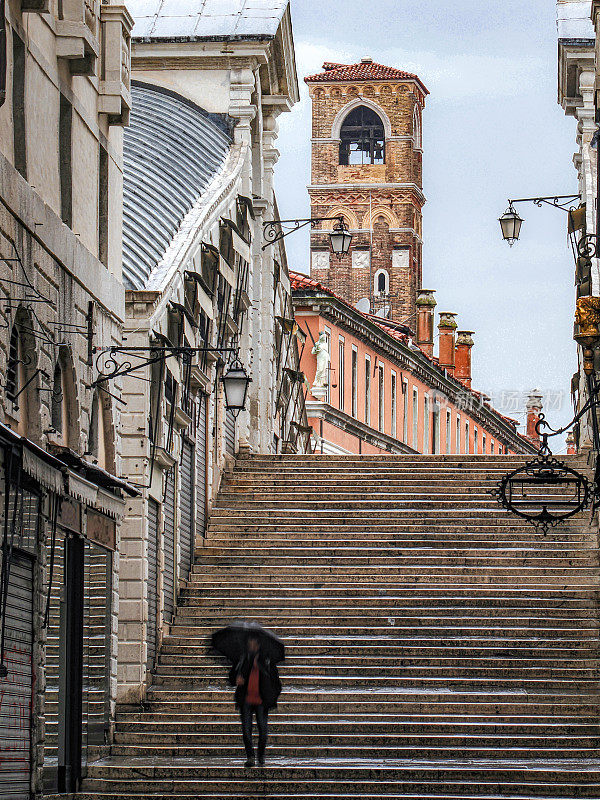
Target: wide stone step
{"type": "Point", "coordinates": [320, 507]}
{"type": "Point", "coordinates": [397, 656]}
{"type": "Point", "coordinates": [368, 611]}
{"type": "Point", "coordinates": [496, 580]}
{"type": "Point", "coordinates": [405, 498]}
{"type": "Point", "coordinates": [185, 652]}
{"type": "Point", "coordinates": [398, 540]}
{"type": "Point", "coordinates": [338, 545]}
{"type": "Point", "coordinates": [360, 681]}
{"type": "Point", "coordinates": [194, 625]}
{"type": "Point", "coordinates": [395, 667]}
{"type": "Point", "coordinates": [159, 724]}
{"type": "Point", "coordinates": [484, 597]}
{"type": "Point", "coordinates": [377, 751]}
{"type": "Point", "coordinates": [280, 526]}
{"type": "Point", "coordinates": [481, 777]}
{"type": "Point", "coordinates": [303, 591]}
{"type": "Point", "coordinates": [397, 625]}
{"type": "Point", "coordinates": [387, 559]}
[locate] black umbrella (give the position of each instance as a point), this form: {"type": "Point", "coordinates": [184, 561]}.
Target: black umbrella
{"type": "Point", "coordinates": [232, 641]}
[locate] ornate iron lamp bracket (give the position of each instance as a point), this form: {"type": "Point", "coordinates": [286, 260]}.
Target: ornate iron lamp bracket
{"type": "Point", "coordinates": [276, 229]}
{"type": "Point", "coordinates": [109, 368]}
{"type": "Point", "coordinates": [564, 202]}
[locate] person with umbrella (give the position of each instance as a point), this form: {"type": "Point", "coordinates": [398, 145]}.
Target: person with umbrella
{"type": "Point", "coordinates": [255, 653]}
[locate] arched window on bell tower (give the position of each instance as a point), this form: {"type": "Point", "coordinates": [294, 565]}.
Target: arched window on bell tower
{"type": "Point", "coordinates": [382, 282]}
{"type": "Point", "coordinates": [417, 127]}
{"type": "Point", "coordinates": [362, 138]}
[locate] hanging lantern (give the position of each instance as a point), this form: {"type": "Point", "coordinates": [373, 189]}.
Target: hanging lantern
{"type": "Point", "coordinates": [235, 385]}
{"type": "Point", "coordinates": [510, 223]}
{"type": "Point", "coordinates": [340, 239]}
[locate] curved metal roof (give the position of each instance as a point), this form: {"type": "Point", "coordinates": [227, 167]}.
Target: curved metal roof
{"type": "Point", "coordinates": [172, 151]}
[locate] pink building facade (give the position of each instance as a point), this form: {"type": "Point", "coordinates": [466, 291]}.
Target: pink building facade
{"type": "Point", "coordinates": [385, 394]}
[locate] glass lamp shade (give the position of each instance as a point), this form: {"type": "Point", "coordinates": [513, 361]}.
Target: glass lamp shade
{"type": "Point", "coordinates": [340, 239]}
{"type": "Point", "coordinates": [510, 223]}
{"type": "Point", "coordinates": [235, 385]}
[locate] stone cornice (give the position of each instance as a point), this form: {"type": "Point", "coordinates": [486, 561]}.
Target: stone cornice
{"type": "Point", "coordinates": [339, 313]}
{"type": "Point", "coordinates": [334, 416]}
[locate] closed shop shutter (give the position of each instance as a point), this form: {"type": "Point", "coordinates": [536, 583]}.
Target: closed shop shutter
{"type": "Point", "coordinates": [186, 508]}
{"type": "Point", "coordinates": [201, 468]}
{"type": "Point", "coordinates": [169, 548]}
{"type": "Point", "coordinates": [16, 690]}
{"type": "Point", "coordinates": [152, 581]}
{"type": "Point", "coordinates": [229, 433]}
{"type": "Point", "coordinates": [97, 590]}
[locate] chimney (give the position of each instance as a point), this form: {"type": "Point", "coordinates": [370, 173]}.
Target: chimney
{"type": "Point", "coordinates": [425, 312]}
{"type": "Point", "coordinates": [464, 343]}
{"type": "Point", "coordinates": [447, 327]}
{"type": "Point", "coordinates": [534, 406]}
{"type": "Point", "coordinates": [571, 445]}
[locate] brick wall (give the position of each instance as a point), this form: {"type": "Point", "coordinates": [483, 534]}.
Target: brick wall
{"type": "Point", "coordinates": [382, 203]}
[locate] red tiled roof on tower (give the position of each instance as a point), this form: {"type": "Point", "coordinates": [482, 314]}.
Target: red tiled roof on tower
{"type": "Point", "coordinates": [365, 70]}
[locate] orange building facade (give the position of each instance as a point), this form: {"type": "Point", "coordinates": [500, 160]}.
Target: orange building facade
{"type": "Point", "coordinates": [379, 388]}
{"type": "Point", "coordinates": [384, 394]}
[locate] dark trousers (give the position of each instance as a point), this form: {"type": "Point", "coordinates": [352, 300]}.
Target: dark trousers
{"type": "Point", "coordinates": [262, 716]}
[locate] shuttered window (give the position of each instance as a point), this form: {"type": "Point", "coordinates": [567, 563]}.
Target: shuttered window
{"type": "Point", "coordinates": [16, 690]}
{"type": "Point", "coordinates": [153, 511]}
{"type": "Point", "coordinates": [201, 468]}
{"type": "Point", "coordinates": [169, 549]}
{"type": "Point", "coordinates": [97, 591]}
{"type": "Point", "coordinates": [229, 433]}
{"type": "Point", "coordinates": [186, 510]}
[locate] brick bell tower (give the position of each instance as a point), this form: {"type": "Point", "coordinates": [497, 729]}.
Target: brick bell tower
{"type": "Point", "coordinates": [367, 167]}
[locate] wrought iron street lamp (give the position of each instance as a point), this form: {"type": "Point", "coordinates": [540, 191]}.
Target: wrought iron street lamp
{"type": "Point", "coordinates": [511, 222]}
{"type": "Point", "coordinates": [235, 385]}
{"type": "Point", "coordinates": [340, 237]}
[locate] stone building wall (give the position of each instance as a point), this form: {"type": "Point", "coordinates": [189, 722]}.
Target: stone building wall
{"type": "Point", "coordinates": [60, 248]}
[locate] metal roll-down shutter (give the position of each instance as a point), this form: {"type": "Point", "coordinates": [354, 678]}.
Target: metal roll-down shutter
{"type": "Point", "coordinates": [153, 516]}
{"type": "Point", "coordinates": [169, 548]}
{"type": "Point", "coordinates": [201, 453]}
{"type": "Point", "coordinates": [16, 690]}
{"type": "Point", "coordinates": [186, 509]}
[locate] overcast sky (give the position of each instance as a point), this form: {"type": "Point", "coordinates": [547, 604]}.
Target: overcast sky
{"type": "Point", "coordinates": [492, 129]}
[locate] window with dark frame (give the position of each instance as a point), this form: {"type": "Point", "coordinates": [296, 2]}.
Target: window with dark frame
{"type": "Point", "coordinates": [57, 400]}
{"type": "Point", "coordinates": [368, 390]}
{"type": "Point", "coordinates": [362, 138]}
{"type": "Point", "coordinates": [341, 371]}
{"type": "Point", "coordinates": [65, 161]}
{"type": "Point", "coordinates": [381, 399]}
{"type": "Point", "coordinates": [103, 228]}
{"type": "Point", "coordinates": [18, 105]}
{"type": "Point", "coordinates": [393, 406]}
{"type": "Point", "coordinates": [354, 382]}
{"type": "Point", "coordinates": [12, 368]}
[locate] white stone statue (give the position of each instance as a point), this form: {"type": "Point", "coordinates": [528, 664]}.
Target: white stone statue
{"type": "Point", "coordinates": [321, 351]}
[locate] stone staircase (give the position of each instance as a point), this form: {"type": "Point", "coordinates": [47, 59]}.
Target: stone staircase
{"type": "Point", "coordinates": [437, 646]}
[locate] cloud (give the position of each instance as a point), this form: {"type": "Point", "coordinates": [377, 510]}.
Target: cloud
{"type": "Point", "coordinates": [447, 76]}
